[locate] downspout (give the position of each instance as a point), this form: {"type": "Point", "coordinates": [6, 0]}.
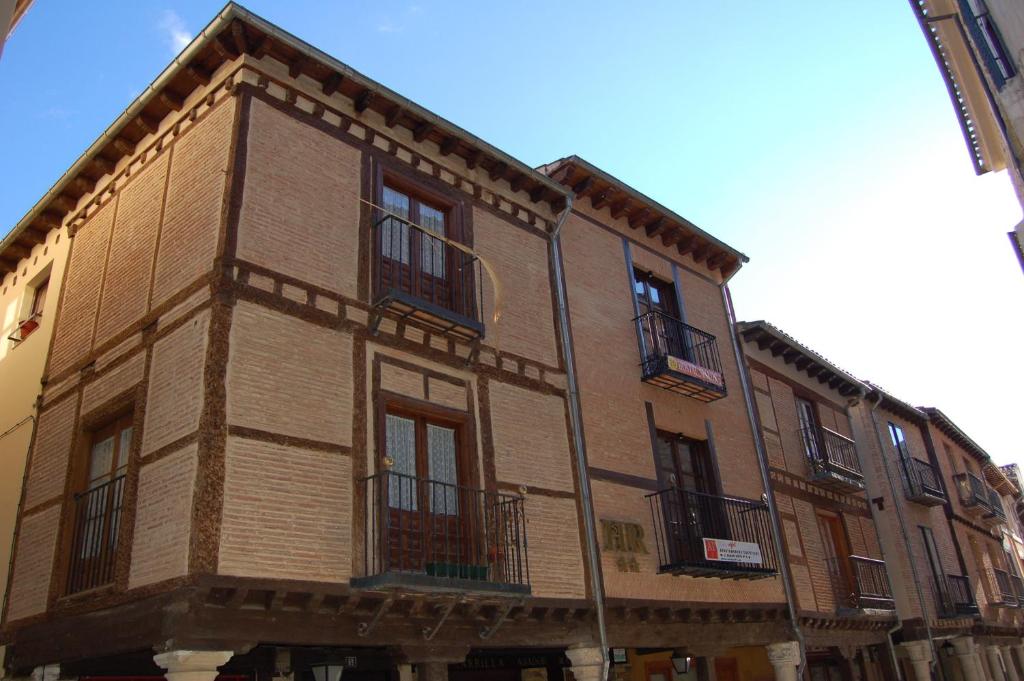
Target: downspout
{"type": "Point", "coordinates": [576, 422]}
{"type": "Point", "coordinates": [906, 542]}
{"type": "Point", "coordinates": [762, 461]}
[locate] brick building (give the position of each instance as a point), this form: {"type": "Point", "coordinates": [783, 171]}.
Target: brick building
{"type": "Point", "coordinates": [312, 385]}
{"type": "Point", "coordinates": [806, 408]}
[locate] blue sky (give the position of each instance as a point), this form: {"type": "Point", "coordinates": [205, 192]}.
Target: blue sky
{"type": "Point", "coordinates": [816, 137]}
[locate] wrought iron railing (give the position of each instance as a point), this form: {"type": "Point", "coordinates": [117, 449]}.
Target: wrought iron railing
{"type": "Point", "coordinates": [973, 492]}
{"type": "Point", "coordinates": [94, 544]}
{"type": "Point", "coordinates": [922, 480]}
{"type": "Point", "coordinates": [995, 504]}
{"type": "Point", "coordinates": [1007, 594]}
{"type": "Point", "coordinates": [668, 344]}
{"type": "Point", "coordinates": [425, 271]}
{"type": "Point", "coordinates": [860, 583]}
{"type": "Point", "coordinates": [830, 452]}
{"type": "Point", "coordinates": [1018, 589]}
{"type": "Point", "coordinates": [420, 531]}
{"type": "Point", "coordinates": [709, 535]}
{"type": "Point", "coordinates": [953, 597]}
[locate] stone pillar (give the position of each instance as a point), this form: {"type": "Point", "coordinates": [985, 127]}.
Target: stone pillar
{"type": "Point", "coordinates": [995, 663]}
{"type": "Point", "coordinates": [920, 655]}
{"type": "Point", "coordinates": [432, 671]}
{"type": "Point", "coordinates": [785, 658]}
{"type": "Point", "coordinates": [967, 656]}
{"type": "Point", "coordinates": [431, 661]}
{"type": "Point", "coordinates": [192, 665]}
{"type": "Point", "coordinates": [587, 663]}
{"type": "Point", "coordinates": [1011, 669]}
{"type": "Point", "coordinates": [404, 672]}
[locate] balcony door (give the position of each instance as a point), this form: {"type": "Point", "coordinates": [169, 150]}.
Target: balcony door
{"type": "Point", "coordinates": [837, 558]}
{"type": "Point", "coordinates": [690, 516]}
{"type": "Point", "coordinates": [656, 302]}
{"type": "Point", "coordinates": [413, 260]}
{"type": "Point", "coordinates": [426, 522]}
{"type": "Point", "coordinates": [809, 431]}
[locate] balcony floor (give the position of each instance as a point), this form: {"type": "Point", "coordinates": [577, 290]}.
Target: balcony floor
{"type": "Point", "coordinates": [662, 374]}
{"type": "Point", "coordinates": [418, 581]}
{"type": "Point", "coordinates": [410, 306]}
{"type": "Point", "coordinates": [723, 572]}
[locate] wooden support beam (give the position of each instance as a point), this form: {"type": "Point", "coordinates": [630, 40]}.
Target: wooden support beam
{"type": "Point", "coordinates": [687, 244]}
{"type": "Point", "coordinates": [363, 99]}
{"type": "Point", "coordinates": [601, 199]}
{"type": "Point", "coordinates": [637, 218]}
{"type": "Point", "coordinates": [537, 193]}
{"type": "Point", "coordinates": [671, 236]}
{"type": "Point", "coordinates": [778, 348]}
{"type": "Point", "coordinates": [171, 100]}
{"type": "Point", "coordinates": [701, 253]}
{"type": "Point", "coordinates": [84, 184]}
{"type": "Point", "coordinates": [33, 235]}
{"type": "Point", "coordinates": [392, 116]}
{"type": "Point", "coordinates": [814, 369]}
{"type": "Point", "coordinates": [422, 131]}
{"type": "Point", "coordinates": [238, 35]}
{"type": "Point", "coordinates": [225, 49]}
{"type": "Point", "coordinates": [295, 66]}
{"type": "Point", "coordinates": [17, 251]}
{"type": "Point", "coordinates": [802, 362]}
{"type": "Point", "coordinates": [764, 340]}
{"type": "Point", "coordinates": [563, 174]}
{"type": "Point", "coordinates": [656, 227]}
{"type": "Point", "coordinates": [620, 208]}
{"type": "Point", "coordinates": [262, 48]}
{"type": "Point", "coordinates": [583, 186]}
{"type": "Point", "coordinates": [125, 146]}
{"type": "Point", "coordinates": [147, 124]}
{"type": "Point", "coordinates": [332, 83]}
{"type": "Point", "coordinates": [49, 219]}
{"type": "Point", "coordinates": [448, 145]}
{"type": "Point", "coordinates": [789, 356]}
{"type": "Point", "coordinates": [198, 74]}
{"type": "Point", "coordinates": [518, 182]}
{"type": "Point", "coordinates": [497, 171]}
{"type": "Point", "coordinates": [7, 266]}
{"type": "Point", "coordinates": [559, 204]}
{"type": "Point", "coordinates": [825, 375]}
{"type": "Point", "coordinates": [474, 158]}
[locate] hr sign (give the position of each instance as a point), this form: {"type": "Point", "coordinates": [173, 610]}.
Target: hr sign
{"type": "Point", "coordinates": [730, 551]}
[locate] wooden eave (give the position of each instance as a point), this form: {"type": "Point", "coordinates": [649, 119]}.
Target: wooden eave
{"type": "Point", "coordinates": [236, 31]}
{"type": "Point", "coordinates": [788, 350]}
{"type": "Point", "coordinates": [644, 215]}
{"type": "Point", "coordinates": [994, 475]}
{"type": "Point", "coordinates": [894, 405]}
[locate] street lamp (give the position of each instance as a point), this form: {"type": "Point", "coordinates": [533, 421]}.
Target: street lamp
{"type": "Point", "coordinates": [680, 663]}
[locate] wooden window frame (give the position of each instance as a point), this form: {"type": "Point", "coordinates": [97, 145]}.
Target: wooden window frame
{"type": "Point", "coordinates": [710, 476]}
{"type": "Point", "coordinates": [666, 290]}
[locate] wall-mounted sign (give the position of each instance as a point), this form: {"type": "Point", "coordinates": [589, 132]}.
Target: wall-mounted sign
{"type": "Point", "coordinates": [625, 539]}
{"type": "Point", "coordinates": [731, 551]}
{"type": "Point", "coordinates": [681, 366]}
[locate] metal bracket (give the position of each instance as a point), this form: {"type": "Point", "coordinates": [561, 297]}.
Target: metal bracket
{"type": "Point", "coordinates": [375, 318]}
{"type": "Point", "coordinates": [430, 632]}
{"type": "Point", "coordinates": [364, 628]}
{"type": "Point", "coordinates": [488, 631]}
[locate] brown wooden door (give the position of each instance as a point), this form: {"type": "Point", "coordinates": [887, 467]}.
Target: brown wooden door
{"type": "Point", "coordinates": [661, 336]}
{"type": "Point", "coordinates": [726, 669]}
{"type": "Point", "coordinates": [413, 260]}
{"type": "Point", "coordinates": [837, 556]}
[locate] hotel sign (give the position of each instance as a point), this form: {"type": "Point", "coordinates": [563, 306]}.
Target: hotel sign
{"type": "Point", "coordinates": [681, 366]}
{"type": "Point", "coordinates": [727, 550]}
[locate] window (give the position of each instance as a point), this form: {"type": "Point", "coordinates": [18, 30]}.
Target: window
{"type": "Point", "coordinates": [97, 514]}
{"type": "Point", "coordinates": [837, 557]}
{"type": "Point", "coordinates": [424, 452]}
{"type": "Point", "coordinates": [988, 40]}
{"type": "Point", "coordinates": [654, 295]}
{"type": "Point", "coordinates": [684, 463]}
{"type": "Point", "coordinates": [938, 574]}
{"type": "Point", "coordinates": [416, 258]}
{"type": "Point", "coordinates": [659, 328]}
{"type": "Point", "coordinates": [808, 420]}
{"type": "Point", "coordinates": [39, 298]}
{"type": "Point", "coordinates": [899, 441]}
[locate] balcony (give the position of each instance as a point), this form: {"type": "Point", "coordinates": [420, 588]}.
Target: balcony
{"type": "Point", "coordinates": [995, 514]}
{"type": "Point", "coordinates": [1006, 597]}
{"type": "Point", "coordinates": [833, 459]}
{"type": "Point", "coordinates": [860, 585]}
{"type": "Point", "coordinates": [1018, 589]}
{"type": "Point", "coordinates": [422, 276]}
{"type": "Point", "coordinates": [953, 598]}
{"type": "Point", "coordinates": [922, 482]}
{"type": "Point", "coordinates": [24, 328]}
{"type": "Point", "coordinates": [973, 494]}
{"type": "Point", "coordinates": [680, 358]}
{"type": "Point", "coordinates": [97, 519]}
{"type": "Point", "coordinates": [703, 535]}
{"type": "Point", "coordinates": [426, 535]}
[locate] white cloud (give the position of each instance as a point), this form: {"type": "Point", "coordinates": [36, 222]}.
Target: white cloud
{"type": "Point", "coordinates": [174, 31]}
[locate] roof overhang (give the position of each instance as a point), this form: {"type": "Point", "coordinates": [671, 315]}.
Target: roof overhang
{"type": "Point", "coordinates": [994, 475]}
{"type": "Point", "coordinates": [780, 344]}
{"type": "Point", "coordinates": [894, 405]}
{"type": "Point", "coordinates": [644, 214]}
{"type": "Point", "coordinates": [233, 32]}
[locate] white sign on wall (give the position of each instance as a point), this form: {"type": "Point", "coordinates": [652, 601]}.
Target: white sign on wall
{"type": "Point", "coordinates": [727, 550]}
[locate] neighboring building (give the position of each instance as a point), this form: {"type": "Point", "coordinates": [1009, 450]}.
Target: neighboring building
{"type": "Point", "coordinates": [668, 441]}
{"type": "Point", "coordinates": [11, 12]}
{"type": "Point", "coordinates": [843, 595]}
{"type": "Point", "coordinates": [978, 46]}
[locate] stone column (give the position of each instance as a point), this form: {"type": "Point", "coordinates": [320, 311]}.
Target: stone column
{"type": "Point", "coordinates": [192, 665]}
{"type": "Point", "coordinates": [404, 672]}
{"type": "Point", "coordinates": [920, 655]}
{"type": "Point", "coordinates": [785, 658]}
{"type": "Point", "coordinates": [1011, 669]}
{"type": "Point", "coordinates": [995, 663]}
{"type": "Point", "coordinates": [587, 663]}
{"type": "Point", "coordinates": [431, 661]}
{"type": "Point", "coordinates": [966, 655]}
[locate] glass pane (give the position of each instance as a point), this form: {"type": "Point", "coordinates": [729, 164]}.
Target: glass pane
{"type": "Point", "coordinates": [99, 462]}
{"type": "Point", "coordinates": [433, 249]}
{"type": "Point", "coordinates": [123, 448]}
{"type": "Point", "coordinates": [401, 447]}
{"type": "Point", "coordinates": [95, 522]}
{"type": "Point", "coordinates": [394, 234]}
{"type": "Point", "coordinates": [664, 459]}
{"type": "Point", "coordinates": [441, 470]}
{"type": "Point", "coordinates": [685, 457]}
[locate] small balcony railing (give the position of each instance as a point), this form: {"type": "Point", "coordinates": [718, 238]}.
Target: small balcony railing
{"type": "Point", "coordinates": [426, 534]}
{"type": "Point", "coordinates": [423, 276]}
{"type": "Point", "coordinates": [833, 459]}
{"type": "Point", "coordinates": [995, 514]}
{"type": "Point", "coordinates": [1018, 589]}
{"type": "Point", "coordinates": [922, 482]}
{"type": "Point", "coordinates": [860, 584]}
{"type": "Point", "coordinates": [953, 598]}
{"type": "Point", "coordinates": [94, 545]}
{"type": "Point", "coordinates": [704, 535]}
{"type": "Point", "coordinates": [1006, 597]}
{"type": "Point", "coordinates": [679, 357]}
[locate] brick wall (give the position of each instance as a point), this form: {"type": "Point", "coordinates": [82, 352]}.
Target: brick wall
{"type": "Point", "coordinates": [33, 564]}
{"type": "Point", "coordinates": [531, 443]}
{"type": "Point", "coordinates": [55, 434]}
{"type": "Point", "coordinates": [556, 556]}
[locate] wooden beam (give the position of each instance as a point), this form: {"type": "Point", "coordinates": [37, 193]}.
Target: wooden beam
{"type": "Point", "coordinates": [64, 203]}
{"type": "Point", "coordinates": [295, 66]}
{"type": "Point", "coordinates": [84, 184]}
{"type": "Point", "coordinates": [125, 146]}
{"type": "Point", "coordinates": [715, 261]}
{"type": "Point", "coordinates": [49, 219]}
{"type": "Point", "coordinates": [422, 131]}
{"type": "Point", "coordinates": [687, 244]}
{"type": "Point", "coordinates": [620, 208]}
{"type": "Point", "coordinates": [802, 362]}
{"type": "Point", "coordinates": [17, 251]}
{"type": "Point", "coordinates": [778, 348]}
{"type": "Point", "coordinates": [656, 227]}
{"type": "Point", "coordinates": [332, 83]}
{"type": "Point", "coordinates": [448, 145]}
{"type": "Point", "coordinates": [583, 186]}
{"type": "Point", "coordinates": [392, 116]}
{"type": "Point", "coordinates": [789, 356]}
{"type": "Point", "coordinates": [497, 170]}
{"type": "Point", "coordinates": [6, 266]}
{"type": "Point", "coordinates": [262, 48]}
{"type": "Point", "coordinates": [518, 182]}
{"type": "Point", "coordinates": [363, 99]}
{"type": "Point", "coordinates": [200, 75]}
{"type": "Point", "coordinates": [537, 193]}
{"type": "Point", "coordinates": [700, 254]}
{"type": "Point", "coordinates": [559, 204]}
{"type": "Point", "coordinates": [171, 100]}
{"type": "Point", "coordinates": [563, 174]}
{"type": "Point", "coordinates": [671, 236]}
{"type": "Point", "coordinates": [474, 158]}
{"type": "Point", "coordinates": [224, 49]}
{"type": "Point", "coordinates": [637, 218]}
{"type": "Point", "coordinates": [814, 369]}
{"type": "Point", "coordinates": [33, 235]}
{"type": "Point", "coordinates": [601, 199]}
{"type": "Point", "coordinates": [147, 124]}
{"type": "Point", "coordinates": [764, 340]}
{"type": "Point", "coordinates": [238, 34]}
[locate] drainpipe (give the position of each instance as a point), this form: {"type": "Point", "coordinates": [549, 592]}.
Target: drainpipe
{"type": "Point", "coordinates": [576, 422]}
{"type": "Point", "coordinates": [910, 552]}
{"type": "Point", "coordinates": [762, 461]}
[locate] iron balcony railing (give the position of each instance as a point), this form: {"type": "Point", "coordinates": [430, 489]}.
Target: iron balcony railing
{"type": "Point", "coordinates": [922, 481]}
{"type": "Point", "coordinates": [97, 520]}
{"type": "Point", "coordinates": [1018, 589]}
{"type": "Point", "coordinates": [424, 275]}
{"type": "Point", "coordinates": [421, 532]}
{"type": "Point", "coordinates": [1007, 595]}
{"type": "Point", "coordinates": [833, 457]}
{"type": "Point", "coordinates": [953, 597]}
{"type": "Point", "coordinates": [706, 535]}
{"type": "Point", "coordinates": [995, 506]}
{"type": "Point", "coordinates": [973, 492]}
{"type": "Point", "coordinates": [860, 583]}
{"type": "Point", "coordinates": [679, 357]}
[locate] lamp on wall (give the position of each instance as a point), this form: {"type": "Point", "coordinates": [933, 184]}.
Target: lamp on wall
{"type": "Point", "coordinates": [681, 663]}
{"type": "Point", "coordinates": [327, 671]}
